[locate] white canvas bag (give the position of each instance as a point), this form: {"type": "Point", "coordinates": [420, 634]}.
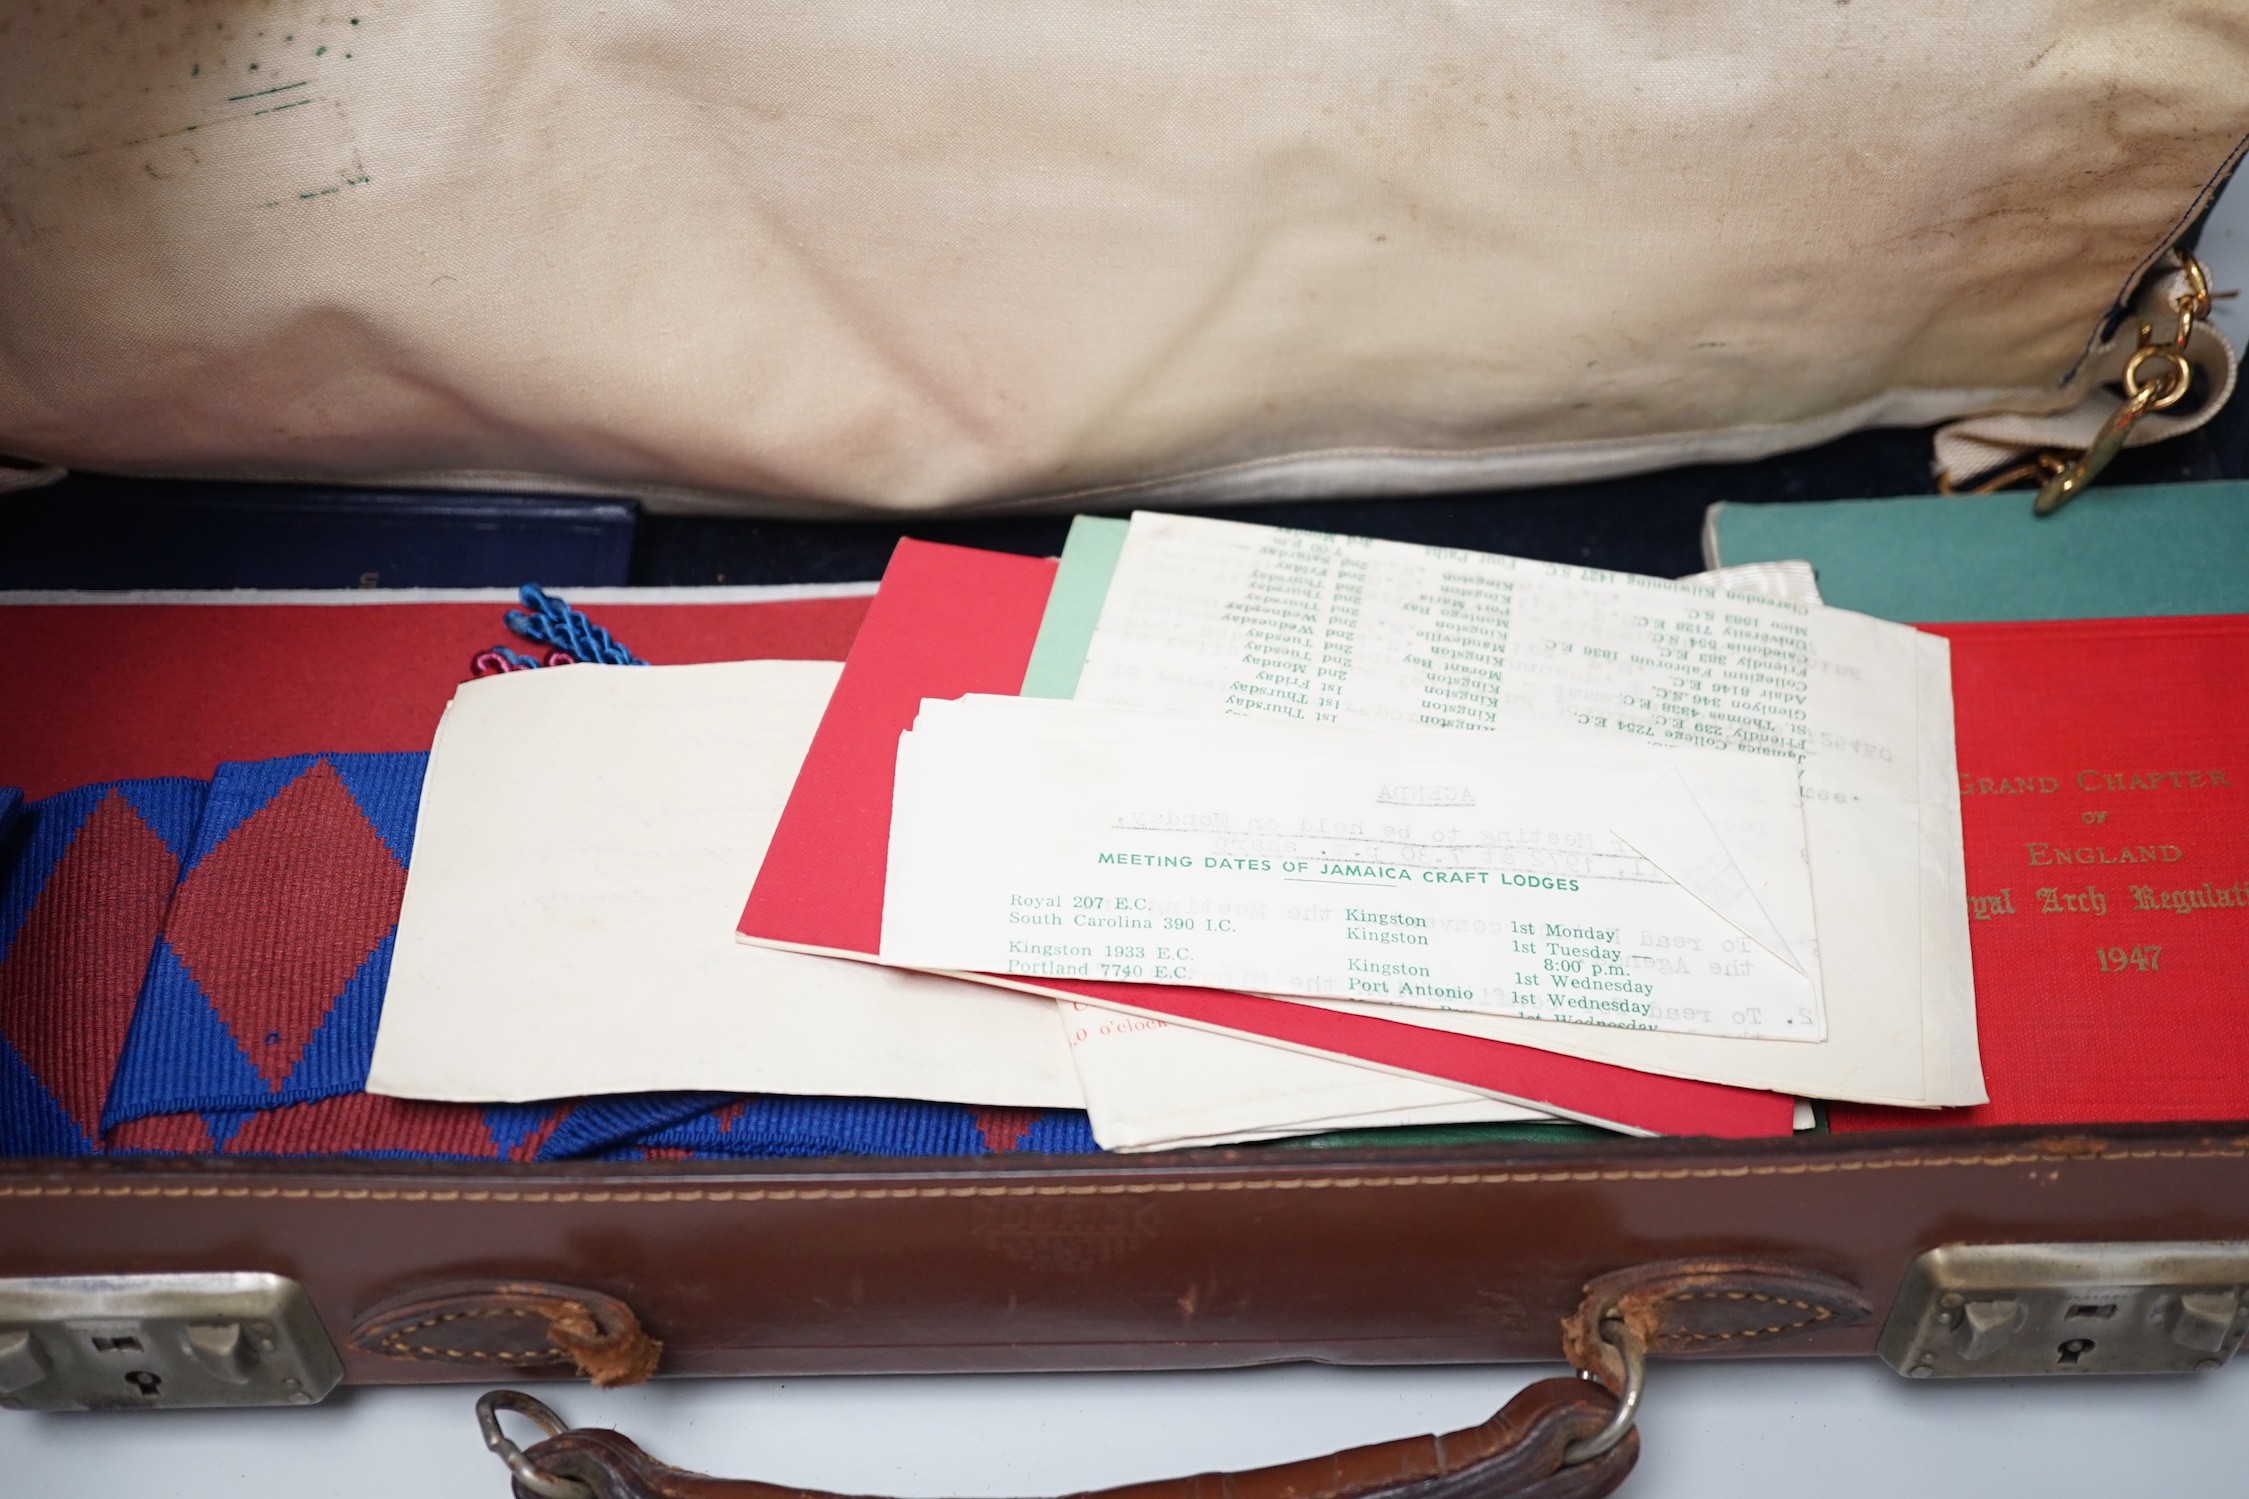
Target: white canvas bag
{"type": "Point", "coordinates": [816, 256]}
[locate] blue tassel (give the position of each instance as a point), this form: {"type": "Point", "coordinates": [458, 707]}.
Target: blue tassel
{"type": "Point", "coordinates": [550, 621]}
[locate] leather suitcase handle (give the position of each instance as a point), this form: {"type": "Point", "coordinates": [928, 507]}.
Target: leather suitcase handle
{"type": "Point", "coordinates": [1556, 1439]}
{"type": "Point", "coordinates": [1518, 1454]}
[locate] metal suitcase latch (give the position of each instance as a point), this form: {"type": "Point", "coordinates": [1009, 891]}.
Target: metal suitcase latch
{"type": "Point", "coordinates": [155, 1342]}
{"type": "Point", "coordinates": [2015, 1309]}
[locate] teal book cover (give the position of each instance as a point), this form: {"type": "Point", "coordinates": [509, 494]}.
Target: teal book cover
{"type": "Point", "coordinates": [2112, 553]}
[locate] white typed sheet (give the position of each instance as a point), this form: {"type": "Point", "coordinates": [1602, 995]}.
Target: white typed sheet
{"type": "Point", "coordinates": [584, 840]}
{"type": "Point", "coordinates": [1791, 578]}
{"type": "Point", "coordinates": [1217, 618]}
{"type": "Point", "coordinates": [1553, 881]}
{"type": "Point", "coordinates": [1152, 1085]}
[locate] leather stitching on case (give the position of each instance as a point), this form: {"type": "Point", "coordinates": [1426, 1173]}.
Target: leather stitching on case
{"type": "Point", "coordinates": [1818, 1314]}
{"type": "Point", "coordinates": [597, 1334]}
{"type": "Point", "coordinates": [1118, 1189]}
{"type": "Point", "coordinates": [394, 1342]}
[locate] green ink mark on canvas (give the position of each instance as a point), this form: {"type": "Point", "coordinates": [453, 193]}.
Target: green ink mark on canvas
{"type": "Point", "coordinates": [328, 192]}
{"type": "Point", "coordinates": [279, 88]}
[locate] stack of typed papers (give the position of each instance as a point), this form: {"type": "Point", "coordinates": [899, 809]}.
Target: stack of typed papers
{"type": "Point", "coordinates": [1219, 833]}
{"type": "Point", "coordinates": [1299, 832]}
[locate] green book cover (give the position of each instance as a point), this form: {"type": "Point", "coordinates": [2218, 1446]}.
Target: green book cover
{"type": "Point", "coordinates": [2111, 553]}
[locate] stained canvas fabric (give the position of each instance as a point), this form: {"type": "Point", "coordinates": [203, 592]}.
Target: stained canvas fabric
{"type": "Point", "coordinates": [861, 256]}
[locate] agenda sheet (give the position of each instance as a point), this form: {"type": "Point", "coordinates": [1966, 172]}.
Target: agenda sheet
{"type": "Point", "coordinates": [1222, 618]}
{"type": "Point", "coordinates": [1482, 873]}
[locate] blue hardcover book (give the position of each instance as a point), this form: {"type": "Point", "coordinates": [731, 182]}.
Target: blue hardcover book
{"type": "Point", "coordinates": [95, 532]}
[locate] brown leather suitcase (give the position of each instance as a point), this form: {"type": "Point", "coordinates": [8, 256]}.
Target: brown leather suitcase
{"type": "Point", "coordinates": [1196, 1259]}
{"type": "Point", "coordinates": [1201, 1259]}
{"type": "Point", "coordinates": [2120, 1247]}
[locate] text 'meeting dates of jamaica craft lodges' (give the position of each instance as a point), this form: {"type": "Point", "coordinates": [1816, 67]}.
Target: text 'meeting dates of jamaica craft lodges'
{"type": "Point", "coordinates": [1559, 883]}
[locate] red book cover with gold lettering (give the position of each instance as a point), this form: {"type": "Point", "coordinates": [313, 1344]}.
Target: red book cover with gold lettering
{"type": "Point", "coordinates": [2104, 777]}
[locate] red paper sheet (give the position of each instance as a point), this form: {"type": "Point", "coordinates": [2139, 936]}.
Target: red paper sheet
{"type": "Point", "coordinates": [950, 621]}
{"type": "Point", "coordinates": [2104, 766]}
{"type": "Point", "coordinates": [103, 691]}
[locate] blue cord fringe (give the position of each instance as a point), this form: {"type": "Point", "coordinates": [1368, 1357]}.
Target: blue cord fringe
{"type": "Point", "coordinates": [550, 621]}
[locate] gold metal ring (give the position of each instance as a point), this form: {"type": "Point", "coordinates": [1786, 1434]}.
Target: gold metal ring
{"type": "Point", "coordinates": [2185, 335]}
{"type": "Point", "coordinates": [2181, 375]}
{"type": "Point", "coordinates": [2198, 284]}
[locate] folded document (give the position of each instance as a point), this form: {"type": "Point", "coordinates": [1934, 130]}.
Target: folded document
{"type": "Point", "coordinates": [1218, 618]}
{"type": "Point", "coordinates": [579, 830]}
{"type": "Point", "coordinates": [950, 621]}
{"type": "Point", "coordinates": [1149, 1082]}
{"type": "Point", "coordinates": [583, 842]}
{"type": "Point", "coordinates": [1485, 873]}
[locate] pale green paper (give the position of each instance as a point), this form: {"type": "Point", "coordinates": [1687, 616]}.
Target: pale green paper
{"type": "Point", "coordinates": [1073, 608]}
